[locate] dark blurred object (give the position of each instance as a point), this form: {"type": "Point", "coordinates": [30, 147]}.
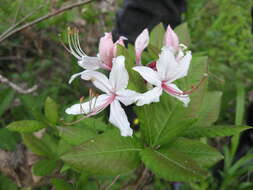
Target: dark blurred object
{"type": "Point", "coordinates": [137, 15]}
{"type": "Point", "coordinates": [246, 139]}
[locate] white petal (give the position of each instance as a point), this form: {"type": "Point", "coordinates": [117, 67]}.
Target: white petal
{"type": "Point", "coordinates": [174, 91]}
{"type": "Point", "coordinates": [90, 63]}
{"type": "Point", "coordinates": [184, 65]}
{"type": "Point", "coordinates": [98, 79]}
{"type": "Point", "coordinates": [89, 106]}
{"type": "Point", "coordinates": [74, 76]}
{"type": "Point", "coordinates": [166, 64]}
{"type": "Point", "coordinates": [150, 96]}
{"type": "Point", "coordinates": [127, 97]}
{"type": "Point", "coordinates": [148, 74]}
{"type": "Point", "coordinates": [118, 118]}
{"type": "Point", "coordinates": [118, 75]}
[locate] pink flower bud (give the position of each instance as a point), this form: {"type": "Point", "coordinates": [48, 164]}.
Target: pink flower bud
{"type": "Point", "coordinates": [106, 48]}
{"type": "Point", "coordinates": [141, 43]}
{"type": "Point", "coordinates": [171, 38]}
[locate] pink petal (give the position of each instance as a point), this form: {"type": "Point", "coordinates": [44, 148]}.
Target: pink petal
{"type": "Point", "coordinates": [174, 91]}
{"type": "Point", "coordinates": [141, 43]}
{"type": "Point", "coordinates": [171, 38]}
{"type": "Point", "coordinates": [106, 47]}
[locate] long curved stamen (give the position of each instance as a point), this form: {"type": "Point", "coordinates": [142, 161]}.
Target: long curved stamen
{"type": "Point", "coordinates": [194, 88]}
{"type": "Point", "coordinates": [72, 51]}
{"type": "Point", "coordinates": [78, 43]}
{"type": "Point", "coordinates": [187, 92]}
{"type": "Point", "coordinates": [74, 44]}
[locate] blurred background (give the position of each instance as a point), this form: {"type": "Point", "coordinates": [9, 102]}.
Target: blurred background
{"type": "Point", "coordinates": [220, 29]}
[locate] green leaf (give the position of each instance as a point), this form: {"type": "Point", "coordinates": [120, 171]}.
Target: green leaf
{"type": "Point", "coordinates": [76, 135]}
{"type": "Point", "coordinates": [107, 154]}
{"type": "Point", "coordinates": [93, 124]}
{"type": "Point", "coordinates": [172, 165]}
{"type": "Point", "coordinates": [240, 107]}
{"type": "Point", "coordinates": [183, 34]}
{"type": "Point", "coordinates": [33, 107]}
{"type": "Point", "coordinates": [154, 117]}
{"type": "Point", "coordinates": [44, 167]}
{"type": "Point", "coordinates": [60, 184]}
{"type": "Point", "coordinates": [210, 109]}
{"type": "Point", "coordinates": [195, 78]}
{"type": "Point", "coordinates": [203, 154]}
{"type": "Point", "coordinates": [7, 184]}
{"type": "Point", "coordinates": [51, 110]}
{"type": "Point", "coordinates": [26, 126]}
{"type": "Point", "coordinates": [6, 97]}
{"type": "Point", "coordinates": [214, 131]}
{"type": "Point", "coordinates": [8, 139]}
{"type": "Point", "coordinates": [153, 52]}
{"type": "Point", "coordinates": [157, 36]}
{"type": "Point", "coordinates": [39, 146]}
{"type": "Point", "coordinates": [172, 129]}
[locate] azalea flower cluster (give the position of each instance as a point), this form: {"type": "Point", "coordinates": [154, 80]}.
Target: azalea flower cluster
{"type": "Point", "coordinates": [173, 63]}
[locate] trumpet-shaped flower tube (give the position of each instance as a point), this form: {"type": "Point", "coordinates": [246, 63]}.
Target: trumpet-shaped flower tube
{"type": "Point", "coordinates": [115, 92]}
{"type": "Point", "coordinates": [168, 70]}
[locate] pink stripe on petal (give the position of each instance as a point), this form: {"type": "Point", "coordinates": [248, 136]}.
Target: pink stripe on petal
{"type": "Point", "coordinates": [171, 90]}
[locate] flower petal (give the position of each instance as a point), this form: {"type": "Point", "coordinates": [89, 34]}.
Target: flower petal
{"type": "Point", "coordinates": [184, 65]}
{"type": "Point", "coordinates": [141, 43]}
{"type": "Point", "coordinates": [182, 68]}
{"type": "Point", "coordinates": [150, 96]}
{"type": "Point", "coordinates": [127, 97]}
{"type": "Point", "coordinates": [90, 63]}
{"type": "Point", "coordinates": [171, 38]}
{"type": "Point", "coordinates": [118, 118]}
{"type": "Point", "coordinates": [96, 103]}
{"type": "Point", "coordinates": [148, 74]}
{"type": "Point", "coordinates": [98, 79]}
{"type": "Point", "coordinates": [166, 65]}
{"type": "Point", "coordinates": [118, 75]}
{"type": "Point", "coordinates": [74, 76]}
{"type": "Point", "coordinates": [174, 91]}
{"type": "Point", "coordinates": [106, 47]}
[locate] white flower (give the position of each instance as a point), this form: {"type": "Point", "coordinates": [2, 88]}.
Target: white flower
{"type": "Point", "coordinates": [168, 70]}
{"type": "Point", "coordinates": [115, 92]}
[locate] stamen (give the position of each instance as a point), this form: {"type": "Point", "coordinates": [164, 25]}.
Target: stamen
{"type": "Point", "coordinates": [194, 88]}
{"type": "Point", "coordinates": [78, 43]}
{"type": "Point", "coordinates": [71, 47]}
{"type": "Point", "coordinates": [74, 44]}
{"type": "Point", "coordinates": [81, 101]}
